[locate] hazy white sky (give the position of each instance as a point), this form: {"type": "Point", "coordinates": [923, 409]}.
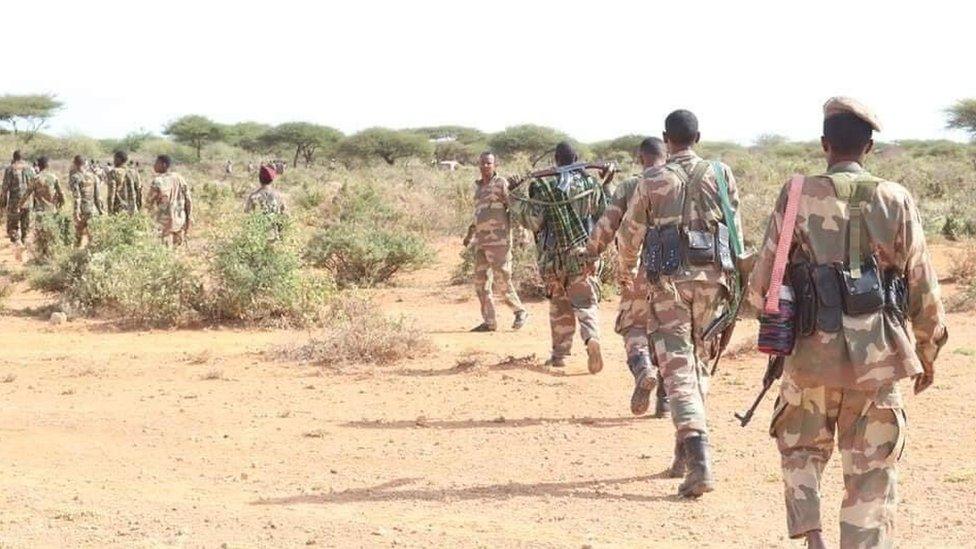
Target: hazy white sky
{"type": "Point", "coordinates": [593, 69]}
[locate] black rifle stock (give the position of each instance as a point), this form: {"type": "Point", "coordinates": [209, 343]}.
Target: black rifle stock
{"type": "Point", "coordinates": [774, 370]}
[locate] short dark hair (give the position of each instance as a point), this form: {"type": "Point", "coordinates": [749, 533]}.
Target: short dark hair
{"type": "Point", "coordinates": [78, 159]}
{"type": "Point", "coordinates": [488, 152]}
{"type": "Point", "coordinates": [17, 156]}
{"type": "Point", "coordinates": [847, 133]}
{"type": "Point", "coordinates": [681, 127]}
{"type": "Point", "coordinates": [565, 153]}
{"type": "Point", "coordinates": [42, 162]}
{"type": "Point", "coordinates": [121, 156]}
{"type": "Point", "coordinates": [165, 159]}
{"type": "Point", "coordinates": [652, 146]}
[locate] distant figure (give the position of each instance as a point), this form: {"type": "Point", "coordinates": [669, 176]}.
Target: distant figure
{"type": "Point", "coordinates": [124, 186]}
{"type": "Point", "coordinates": [250, 167]}
{"type": "Point", "coordinates": [279, 166]}
{"type": "Point", "coordinates": [84, 189]}
{"type": "Point", "coordinates": [44, 192]}
{"type": "Point", "coordinates": [266, 199]}
{"type": "Point", "coordinates": [169, 197]}
{"type": "Point", "coordinates": [449, 165]}
{"type": "Point", "coordinates": [16, 179]}
{"type": "Point", "coordinates": [229, 167]}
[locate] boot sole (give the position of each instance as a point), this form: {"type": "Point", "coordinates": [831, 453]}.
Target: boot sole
{"type": "Point", "coordinates": [697, 490]}
{"type": "Point", "coordinates": [640, 400]}
{"type": "Point", "coordinates": [594, 362]}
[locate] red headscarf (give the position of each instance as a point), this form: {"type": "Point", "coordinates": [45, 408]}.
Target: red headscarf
{"type": "Point", "coordinates": [266, 175]}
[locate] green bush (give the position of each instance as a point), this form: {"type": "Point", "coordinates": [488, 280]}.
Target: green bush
{"type": "Point", "coordinates": [365, 254]}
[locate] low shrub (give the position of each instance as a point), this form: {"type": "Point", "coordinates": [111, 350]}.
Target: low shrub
{"type": "Point", "coordinates": [366, 255]}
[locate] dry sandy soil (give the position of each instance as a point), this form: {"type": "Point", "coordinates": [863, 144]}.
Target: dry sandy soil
{"type": "Point", "coordinates": [204, 438]}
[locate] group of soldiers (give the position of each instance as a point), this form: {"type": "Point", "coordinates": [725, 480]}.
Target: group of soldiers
{"type": "Point", "coordinates": [31, 193]}
{"type": "Point", "coordinates": [682, 265]}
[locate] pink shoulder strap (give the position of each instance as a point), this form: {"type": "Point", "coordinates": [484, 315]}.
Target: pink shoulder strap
{"type": "Point", "coordinates": [783, 246]}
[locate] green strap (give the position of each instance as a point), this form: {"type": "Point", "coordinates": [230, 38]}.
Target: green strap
{"type": "Point", "coordinates": [692, 190]}
{"type": "Point", "coordinates": [727, 212]}
{"type": "Point", "coordinates": [856, 191]}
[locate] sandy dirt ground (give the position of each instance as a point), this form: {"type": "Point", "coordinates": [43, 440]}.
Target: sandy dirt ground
{"type": "Point", "coordinates": [203, 438]}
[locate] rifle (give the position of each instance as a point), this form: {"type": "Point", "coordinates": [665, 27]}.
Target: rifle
{"type": "Point", "coordinates": [609, 169]}
{"type": "Point", "coordinates": [774, 370]}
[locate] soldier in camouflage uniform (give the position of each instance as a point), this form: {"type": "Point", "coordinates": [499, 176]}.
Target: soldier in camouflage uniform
{"type": "Point", "coordinates": [169, 197]}
{"type": "Point", "coordinates": [16, 178]}
{"type": "Point", "coordinates": [492, 236]}
{"type": "Point", "coordinates": [841, 379]}
{"type": "Point", "coordinates": [84, 189]}
{"type": "Point", "coordinates": [44, 192]}
{"type": "Point", "coordinates": [683, 194]}
{"type": "Point", "coordinates": [561, 212]}
{"type": "Point", "coordinates": [632, 317]}
{"type": "Point", "coordinates": [124, 186]}
{"type": "Point", "coordinates": [266, 199]}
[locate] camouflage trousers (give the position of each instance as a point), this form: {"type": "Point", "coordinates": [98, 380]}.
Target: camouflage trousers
{"type": "Point", "coordinates": [870, 432]}
{"type": "Point", "coordinates": [679, 313]}
{"type": "Point", "coordinates": [572, 298]}
{"type": "Point", "coordinates": [18, 225]}
{"type": "Point", "coordinates": [493, 267]}
{"type": "Point", "coordinates": [632, 315]}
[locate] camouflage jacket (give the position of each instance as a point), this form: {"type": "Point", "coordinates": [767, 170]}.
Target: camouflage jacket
{"type": "Point", "coordinates": [560, 212]}
{"type": "Point", "coordinates": [169, 196]}
{"type": "Point", "coordinates": [265, 200]}
{"type": "Point", "coordinates": [492, 224]}
{"type": "Point", "coordinates": [84, 190]}
{"type": "Point", "coordinates": [609, 223]}
{"type": "Point", "coordinates": [870, 351]}
{"type": "Point", "coordinates": [124, 190]}
{"type": "Point", "coordinates": [45, 191]}
{"type": "Point", "coordinates": [16, 179]}
{"type": "Point", "coordinates": [658, 201]}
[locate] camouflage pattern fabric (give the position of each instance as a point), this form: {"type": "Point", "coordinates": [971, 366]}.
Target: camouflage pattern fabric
{"type": "Point", "coordinates": [492, 224]}
{"type": "Point", "coordinates": [16, 179]}
{"type": "Point", "coordinates": [265, 200]}
{"type": "Point", "coordinates": [870, 432]}
{"type": "Point", "coordinates": [124, 190]}
{"type": "Point", "coordinates": [169, 196]}
{"type": "Point", "coordinates": [493, 264]}
{"type": "Point", "coordinates": [87, 200]}
{"type": "Point", "coordinates": [572, 298]}
{"type": "Point", "coordinates": [43, 193]}
{"type": "Point", "coordinates": [870, 351]}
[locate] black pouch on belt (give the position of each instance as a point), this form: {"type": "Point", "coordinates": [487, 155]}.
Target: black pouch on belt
{"type": "Point", "coordinates": [806, 298]}
{"type": "Point", "coordinates": [830, 315]}
{"type": "Point", "coordinates": [671, 246]}
{"type": "Point", "coordinates": [700, 248]}
{"type": "Point", "coordinates": [653, 254]}
{"type": "Point", "coordinates": [723, 248]}
{"type": "Point", "coordinates": [864, 294]}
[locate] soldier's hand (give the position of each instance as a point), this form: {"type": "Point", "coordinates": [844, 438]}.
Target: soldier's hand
{"type": "Point", "coordinates": [466, 241]}
{"type": "Point", "coordinates": [924, 379]}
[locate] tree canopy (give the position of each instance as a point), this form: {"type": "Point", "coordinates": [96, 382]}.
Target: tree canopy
{"type": "Point", "coordinates": [390, 145]}
{"type": "Point", "coordinates": [194, 130]}
{"type": "Point", "coordinates": [27, 114]}
{"type": "Point", "coordinates": [304, 137]}
{"type": "Point", "coordinates": [527, 139]}
{"type": "Point", "coordinates": [246, 135]}
{"type": "Point", "coordinates": [962, 116]}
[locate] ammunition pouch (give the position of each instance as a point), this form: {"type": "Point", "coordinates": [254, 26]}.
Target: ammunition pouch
{"type": "Point", "coordinates": [662, 252]}
{"type": "Point", "coordinates": [896, 296]}
{"type": "Point", "coordinates": [863, 294]}
{"type": "Point", "coordinates": [667, 249]}
{"type": "Point", "coordinates": [801, 279]}
{"type": "Point", "coordinates": [723, 248]}
{"type": "Point", "coordinates": [700, 248]}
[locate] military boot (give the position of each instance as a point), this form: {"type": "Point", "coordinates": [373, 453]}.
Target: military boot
{"type": "Point", "coordinates": [698, 462]}
{"type": "Point", "coordinates": [661, 408]}
{"type": "Point", "coordinates": [520, 318]}
{"type": "Point", "coordinates": [644, 382]}
{"type": "Point", "coordinates": [483, 327]}
{"type": "Point", "coordinates": [677, 469]}
{"type": "Point", "coordinates": [594, 358]}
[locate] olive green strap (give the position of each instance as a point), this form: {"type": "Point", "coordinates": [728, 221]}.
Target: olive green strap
{"type": "Point", "coordinates": [856, 191]}
{"type": "Point", "coordinates": [692, 190]}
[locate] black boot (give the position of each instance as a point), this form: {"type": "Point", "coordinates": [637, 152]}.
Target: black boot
{"type": "Point", "coordinates": [644, 381]}
{"type": "Point", "coordinates": [677, 469]}
{"type": "Point", "coordinates": [661, 408]}
{"type": "Point", "coordinates": [483, 327]}
{"type": "Point", "coordinates": [699, 478]}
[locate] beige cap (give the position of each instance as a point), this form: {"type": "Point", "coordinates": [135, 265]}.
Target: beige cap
{"type": "Point", "coordinates": [840, 104]}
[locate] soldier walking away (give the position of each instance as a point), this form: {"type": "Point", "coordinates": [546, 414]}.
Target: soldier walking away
{"type": "Point", "coordinates": [631, 322]}
{"type": "Point", "coordinates": [16, 178]}
{"type": "Point", "coordinates": [265, 199]}
{"type": "Point", "coordinates": [677, 220]}
{"type": "Point", "coordinates": [169, 198]}
{"type": "Point", "coordinates": [561, 211]}
{"type": "Point", "coordinates": [44, 198]}
{"type": "Point", "coordinates": [861, 274]}
{"type": "Point", "coordinates": [87, 202]}
{"type": "Point", "coordinates": [491, 234]}
{"type": "Point", "coordinates": [124, 186]}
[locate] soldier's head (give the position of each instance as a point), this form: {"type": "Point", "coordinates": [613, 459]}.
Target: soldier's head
{"type": "Point", "coordinates": [42, 163]}
{"type": "Point", "coordinates": [17, 156]}
{"type": "Point", "coordinates": [163, 163]}
{"type": "Point", "coordinates": [78, 162]}
{"type": "Point", "coordinates": [486, 163]}
{"type": "Point", "coordinates": [120, 158]}
{"type": "Point", "coordinates": [266, 175]}
{"type": "Point", "coordinates": [681, 130]}
{"type": "Point", "coordinates": [652, 152]}
{"type": "Point", "coordinates": [565, 154]}
{"type": "Point", "coordinates": [846, 137]}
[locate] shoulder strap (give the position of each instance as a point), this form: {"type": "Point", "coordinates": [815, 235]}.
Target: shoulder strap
{"type": "Point", "coordinates": [727, 212]}
{"type": "Point", "coordinates": [784, 244]}
{"type": "Point", "coordinates": [693, 190]}
{"type": "Point", "coordinates": [857, 191]}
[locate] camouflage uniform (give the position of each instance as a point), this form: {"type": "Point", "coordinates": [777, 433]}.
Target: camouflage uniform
{"type": "Point", "coordinates": [124, 190]}
{"type": "Point", "coordinates": [84, 190]}
{"type": "Point", "coordinates": [265, 200]}
{"type": "Point", "coordinates": [170, 195]}
{"type": "Point", "coordinates": [573, 296]}
{"type": "Point", "coordinates": [44, 191]}
{"type": "Point", "coordinates": [843, 383]}
{"type": "Point", "coordinates": [492, 229]}
{"type": "Point", "coordinates": [16, 179]}
{"type": "Point", "coordinates": [681, 306]}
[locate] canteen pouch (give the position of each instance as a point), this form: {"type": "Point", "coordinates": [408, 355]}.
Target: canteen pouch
{"type": "Point", "coordinates": [653, 254]}
{"type": "Point", "coordinates": [806, 299]}
{"type": "Point", "coordinates": [777, 331]}
{"type": "Point", "coordinates": [863, 295]}
{"type": "Point", "coordinates": [700, 248]}
{"type": "Point", "coordinates": [671, 248]}
{"type": "Point", "coordinates": [723, 248]}
{"type": "Point", "coordinates": [830, 315]}
{"type": "Point", "coordinates": [896, 296]}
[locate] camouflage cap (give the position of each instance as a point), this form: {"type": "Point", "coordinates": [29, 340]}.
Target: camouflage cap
{"type": "Point", "coordinates": [840, 104]}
